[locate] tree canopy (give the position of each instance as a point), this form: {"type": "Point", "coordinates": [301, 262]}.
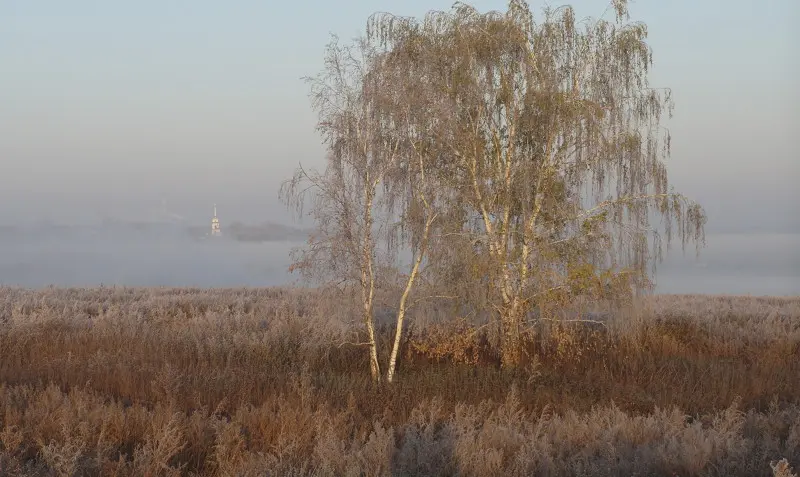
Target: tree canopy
{"type": "Point", "coordinates": [521, 160]}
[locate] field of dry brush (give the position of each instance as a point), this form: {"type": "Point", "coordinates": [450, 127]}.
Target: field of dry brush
{"type": "Point", "coordinates": [134, 382]}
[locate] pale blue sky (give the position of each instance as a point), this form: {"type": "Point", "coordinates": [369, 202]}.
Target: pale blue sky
{"type": "Point", "coordinates": [108, 107]}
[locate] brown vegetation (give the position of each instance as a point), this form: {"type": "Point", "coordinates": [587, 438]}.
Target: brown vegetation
{"type": "Point", "coordinates": [265, 382]}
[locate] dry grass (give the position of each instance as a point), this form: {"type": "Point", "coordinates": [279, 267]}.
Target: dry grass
{"type": "Point", "coordinates": [262, 382]}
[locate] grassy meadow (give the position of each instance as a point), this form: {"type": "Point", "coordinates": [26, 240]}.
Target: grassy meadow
{"type": "Point", "coordinates": [167, 382]}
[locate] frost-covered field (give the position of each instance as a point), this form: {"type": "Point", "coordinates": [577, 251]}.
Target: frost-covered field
{"type": "Point", "coordinates": [264, 382]}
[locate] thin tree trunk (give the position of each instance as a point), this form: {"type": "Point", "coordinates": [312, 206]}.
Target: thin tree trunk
{"type": "Point", "coordinates": [374, 366]}
{"type": "Point", "coordinates": [368, 286]}
{"type": "Point", "coordinates": [401, 312]}
{"type": "Point", "coordinates": [369, 323]}
{"type": "Point", "coordinates": [511, 339]}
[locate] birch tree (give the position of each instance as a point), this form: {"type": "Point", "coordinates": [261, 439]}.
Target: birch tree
{"type": "Point", "coordinates": [554, 150]}
{"type": "Point", "coordinates": [377, 169]}
{"type": "Point", "coordinates": [344, 197]}
{"type": "Point", "coordinates": [413, 185]}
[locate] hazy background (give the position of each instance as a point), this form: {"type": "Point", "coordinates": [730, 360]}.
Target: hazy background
{"type": "Point", "coordinates": [144, 111]}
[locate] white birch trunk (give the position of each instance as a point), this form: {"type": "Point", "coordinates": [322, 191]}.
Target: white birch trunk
{"type": "Point", "coordinates": [401, 312]}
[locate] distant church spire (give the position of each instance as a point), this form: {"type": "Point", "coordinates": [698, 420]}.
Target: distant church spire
{"type": "Point", "coordinates": [215, 230]}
